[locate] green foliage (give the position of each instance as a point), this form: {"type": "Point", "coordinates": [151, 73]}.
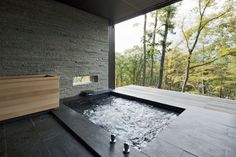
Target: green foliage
{"type": "Point", "coordinates": [213, 61]}
{"type": "Point", "coordinates": [129, 67]}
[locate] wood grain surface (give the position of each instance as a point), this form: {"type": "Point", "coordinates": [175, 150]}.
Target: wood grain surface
{"type": "Point", "coordinates": [22, 95]}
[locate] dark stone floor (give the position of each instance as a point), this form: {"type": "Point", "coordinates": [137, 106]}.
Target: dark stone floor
{"type": "Point", "coordinates": [197, 132]}
{"type": "Point", "coordinates": [38, 136]}
{"type": "Point", "coordinates": [180, 99]}
{"type": "Point", "coordinates": [93, 135]}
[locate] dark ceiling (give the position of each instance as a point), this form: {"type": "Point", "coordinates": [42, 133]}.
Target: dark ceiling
{"type": "Point", "coordinates": [118, 10]}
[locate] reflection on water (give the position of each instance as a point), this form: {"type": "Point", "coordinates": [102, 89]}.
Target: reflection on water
{"type": "Point", "coordinates": [135, 122]}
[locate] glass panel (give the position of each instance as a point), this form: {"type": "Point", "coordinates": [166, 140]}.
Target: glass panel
{"type": "Point", "coordinates": [79, 80]}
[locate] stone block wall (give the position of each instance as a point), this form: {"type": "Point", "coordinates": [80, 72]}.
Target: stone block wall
{"type": "Point", "coordinates": [49, 37]}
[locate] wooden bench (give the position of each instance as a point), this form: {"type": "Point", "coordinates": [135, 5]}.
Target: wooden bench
{"type": "Point", "coordinates": [22, 95]}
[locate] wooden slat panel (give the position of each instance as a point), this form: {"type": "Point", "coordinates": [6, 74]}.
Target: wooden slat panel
{"type": "Point", "coordinates": [18, 77]}
{"type": "Point", "coordinates": [28, 84]}
{"type": "Point", "coordinates": [3, 81]}
{"type": "Point", "coordinates": [23, 90]}
{"type": "Point", "coordinates": [27, 99]}
{"type": "Point", "coordinates": [27, 94]}
{"type": "Point", "coordinates": [28, 105]}
{"type": "Point", "coordinates": [28, 111]}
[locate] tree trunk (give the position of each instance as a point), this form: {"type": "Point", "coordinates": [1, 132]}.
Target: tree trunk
{"type": "Point", "coordinates": [144, 50]}
{"type": "Point", "coordinates": [171, 84]}
{"type": "Point", "coordinates": [203, 81]}
{"type": "Point", "coordinates": [163, 50]}
{"type": "Point", "coordinates": [153, 47]}
{"type": "Point", "coordinates": [134, 75]}
{"type": "Point", "coordinates": [139, 72]}
{"type": "Point", "coordinates": [151, 70]}
{"type": "Point", "coordinates": [117, 85]}
{"type": "Point", "coordinates": [203, 87]}
{"type": "Point", "coordinates": [186, 73]}
{"type": "Point", "coordinates": [201, 26]}
{"type": "Point", "coordinates": [221, 93]}
{"type": "Point", "coordinates": [121, 80]}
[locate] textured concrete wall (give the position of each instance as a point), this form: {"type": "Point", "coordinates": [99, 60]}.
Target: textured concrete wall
{"type": "Point", "coordinates": [49, 37]}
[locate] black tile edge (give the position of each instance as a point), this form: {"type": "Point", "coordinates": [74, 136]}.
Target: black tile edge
{"type": "Point", "coordinates": [178, 110]}
{"type": "Point", "coordinates": [75, 135]}
{"type": "Point", "coordinates": [175, 109]}
{"type": "Point", "coordinates": [104, 92]}
{"type": "Point", "coordinates": [60, 114]}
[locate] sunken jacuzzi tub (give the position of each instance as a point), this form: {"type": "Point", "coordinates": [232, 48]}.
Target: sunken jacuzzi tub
{"type": "Point", "coordinates": [133, 120]}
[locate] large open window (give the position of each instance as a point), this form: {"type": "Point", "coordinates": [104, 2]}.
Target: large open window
{"type": "Point", "coordinates": [188, 46]}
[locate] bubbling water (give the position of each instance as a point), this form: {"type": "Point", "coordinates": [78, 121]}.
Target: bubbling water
{"type": "Point", "coordinates": [132, 121]}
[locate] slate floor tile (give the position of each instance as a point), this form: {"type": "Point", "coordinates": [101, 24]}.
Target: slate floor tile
{"type": "Point", "coordinates": [161, 148]}
{"type": "Point", "coordinates": [19, 126]}
{"type": "Point", "coordinates": [39, 136]}
{"type": "Point", "coordinates": [28, 150]}
{"type": "Point", "coordinates": [47, 127]}
{"type": "Point", "coordinates": [200, 136]}
{"type": "Point", "coordinates": [2, 142]}
{"type": "Point", "coordinates": [28, 136]}
{"type": "Point", "coordinates": [65, 145]}
{"type": "Point", "coordinates": [231, 153]}
{"type": "Point", "coordinates": [41, 118]}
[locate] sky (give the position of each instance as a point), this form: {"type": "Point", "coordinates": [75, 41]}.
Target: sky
{"type": "Point", "coordinates": [128, 33]}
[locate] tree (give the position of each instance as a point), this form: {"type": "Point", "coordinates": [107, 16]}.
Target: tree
{"type": "Point", "coordinates": [192, 35]}
{"type": "Point", "coordinates": [212, 68]}
{"type": "Point", "coordinates": [144, 49]}
{"type": "Point", "coordinates": [174, 69]}
{"type": "Point", "coordinates": [120, 70]}
{"type": "Point", "coordinates": [213, 63]}
{"type": "Point", "coordinates": [153, 49]}
{"type": "Point", "coordinates": [129, 67]}
{"type": "Point", "coordinates": [166, 17]}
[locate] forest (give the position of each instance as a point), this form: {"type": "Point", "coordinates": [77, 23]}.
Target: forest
{"type": "Point", "coordinates": [194, 53]}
